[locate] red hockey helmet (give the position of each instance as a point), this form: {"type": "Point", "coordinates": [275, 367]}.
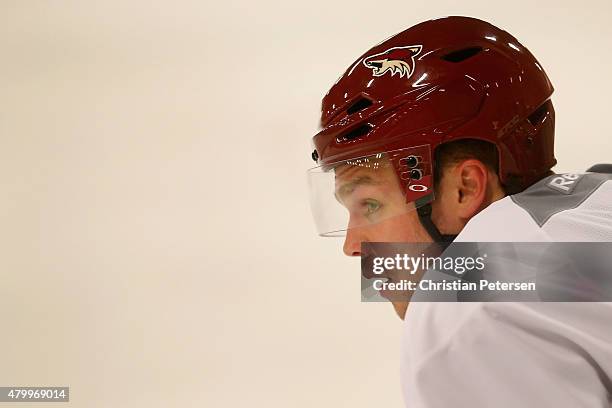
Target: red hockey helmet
{"type": "Point", "coordinates": [439, 81]}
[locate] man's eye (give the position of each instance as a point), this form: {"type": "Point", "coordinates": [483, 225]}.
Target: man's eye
{"type": "Point", "coordinates": [371, 206]}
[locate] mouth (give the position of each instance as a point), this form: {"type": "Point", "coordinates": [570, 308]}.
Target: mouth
{"type": "Point", "coordinates": [366, 263]}
{"type": "Point", "coordinates": [367, 260]}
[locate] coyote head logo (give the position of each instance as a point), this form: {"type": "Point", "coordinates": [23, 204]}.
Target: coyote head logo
{"type": "Point", "coordinates": [395, 60]}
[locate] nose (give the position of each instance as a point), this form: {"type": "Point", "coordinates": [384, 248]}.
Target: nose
{"type": "Point", "coordinates": [352, 242]}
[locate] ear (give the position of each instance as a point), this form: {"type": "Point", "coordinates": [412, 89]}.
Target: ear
{"type": "Point", "coordinates": [472, 182]}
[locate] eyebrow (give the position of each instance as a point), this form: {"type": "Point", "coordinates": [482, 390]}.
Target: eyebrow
{"type": "Point", "coordinates": [349, 187]}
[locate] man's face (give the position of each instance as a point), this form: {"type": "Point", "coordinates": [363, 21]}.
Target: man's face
{"type": "Point", "coordinates": [377, 208]}
{"type": "Point", "coordinates": [378, 211]}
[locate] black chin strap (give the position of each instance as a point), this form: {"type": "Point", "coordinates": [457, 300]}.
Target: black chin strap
{"type": "Point", "coordinates": [424, 212]}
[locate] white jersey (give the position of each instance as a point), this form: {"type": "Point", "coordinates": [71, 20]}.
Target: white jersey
{"type": "Point", "coordinates": [509, 355]}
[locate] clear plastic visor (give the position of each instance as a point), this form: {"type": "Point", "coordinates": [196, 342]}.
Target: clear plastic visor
{"type": "Point", "coordinates": [369, 191]}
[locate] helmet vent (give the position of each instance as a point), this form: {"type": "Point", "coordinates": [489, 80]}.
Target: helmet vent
{"type": "Point", "coordinates": [538, 115]}
{"type": "Point", "coordinates": [359, 105]}
{"type": "Point", "coordinates": [462, 55]}
{"type": "Point", "coordinates": [355, 133]}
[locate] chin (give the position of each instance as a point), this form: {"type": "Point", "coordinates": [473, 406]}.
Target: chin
{"type": "Point", "coordinates": [400, 308]}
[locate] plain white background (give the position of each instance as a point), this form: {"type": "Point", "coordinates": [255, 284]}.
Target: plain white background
{"type": "Point", "coordinates": [156, 241]}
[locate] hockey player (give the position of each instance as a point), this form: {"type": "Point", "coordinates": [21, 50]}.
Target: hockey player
{"type": "Point", "coordinates": [445, 132]}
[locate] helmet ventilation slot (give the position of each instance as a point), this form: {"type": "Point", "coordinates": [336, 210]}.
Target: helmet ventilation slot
{"type": "Point", "coordinates": [355, 133]}
{"type": "Point", "coordinates": [462, 55]}
{"type": "Point", "coordinates": [539, 114]}
{"type": "Point", "coordinates": [359, 105]}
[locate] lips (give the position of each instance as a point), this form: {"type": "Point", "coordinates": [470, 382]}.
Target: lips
{"type": "Point", "coordinates": [367, 270]}
{"type": "Point", "coordinates": [367, 260]}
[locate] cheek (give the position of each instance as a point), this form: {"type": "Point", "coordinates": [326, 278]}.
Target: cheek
{"type": "Point", "coordinates": [402, 228]}
{"type": "Point", "coordinates": [444, 210]}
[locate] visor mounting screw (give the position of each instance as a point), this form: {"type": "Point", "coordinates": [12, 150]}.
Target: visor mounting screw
{"type": "Point", "coordinates": [416, 174]}
{"type": "Point", "coordinates": [412, 161]}
{"type": "Point", "coordinates": [315, 155]}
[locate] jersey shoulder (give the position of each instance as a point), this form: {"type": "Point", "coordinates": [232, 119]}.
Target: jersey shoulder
{"type": "Point", "coordinates": [560, 207]}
